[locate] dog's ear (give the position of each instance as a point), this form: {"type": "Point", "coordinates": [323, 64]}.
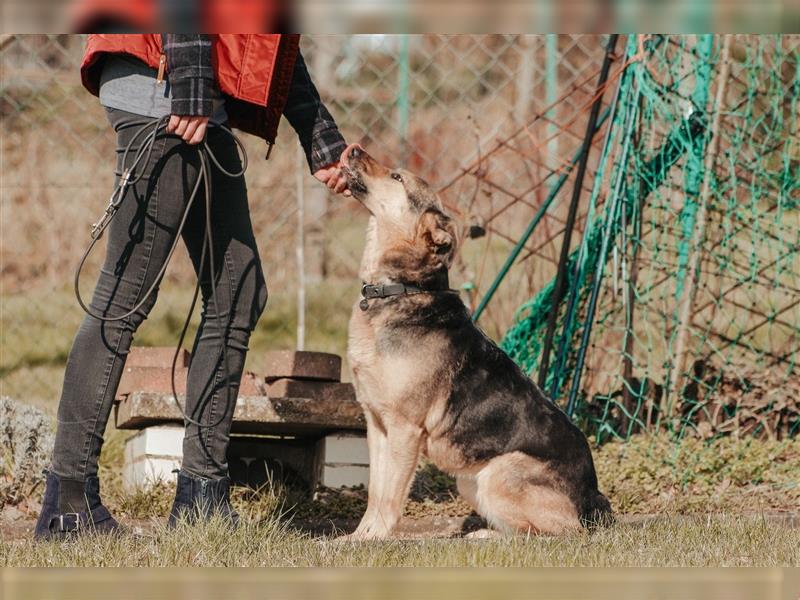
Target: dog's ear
{"type": "Point", "coordinates": [438, 232]}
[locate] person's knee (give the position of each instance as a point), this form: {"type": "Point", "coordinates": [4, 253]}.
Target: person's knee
{"type": "Point", "coordinates": [114, 298]}
{"type": "Point", "coordinates": [250, 302]}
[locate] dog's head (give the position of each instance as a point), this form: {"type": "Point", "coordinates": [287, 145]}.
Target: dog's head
{"type": "Point", "coordinates": [412, 238]}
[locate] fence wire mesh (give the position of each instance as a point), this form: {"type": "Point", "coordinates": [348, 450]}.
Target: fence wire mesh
{"type": "Point", "coordinates": [494, 122]}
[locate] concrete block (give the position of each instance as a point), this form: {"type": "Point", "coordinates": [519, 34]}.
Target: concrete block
{"type": "Point", "coordinates": [325, 391]}
{"type": "Point", "coordinates": [302, 365]}
{"type": "Point", "coordinates": [253, 414]}
{"type": "Point", "coordinates": [151, 456]}
{"type": "Point", "coordinates": [344, 460]}
{"type": "Point", "coordinates": [156, 356]}
{"type": "Point", "coordinates": [335, 476]}
{"type": "Point", "coordinates": [341, 448]}
{"type": "Point", "coordinates": [148, 472]}
{"type": "Point", "coordinates": [154, 453]}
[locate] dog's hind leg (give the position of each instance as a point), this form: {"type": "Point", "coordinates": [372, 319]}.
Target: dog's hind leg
{"type": "Point", "coordinates": [515, 493]}
{"type": "Point", "coordinates": [468, 490]}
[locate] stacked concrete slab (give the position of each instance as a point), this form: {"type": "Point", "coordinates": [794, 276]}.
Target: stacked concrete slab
{"type": "Point", "coordinates": [297, 422]}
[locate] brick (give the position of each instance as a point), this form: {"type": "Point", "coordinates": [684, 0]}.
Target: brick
{"type": "Point", "coordinates": [154, 379]}
{"type": "Point", "coordinates": [160, 440]}
{"type": "Point", "coordinates": [151, 379]}
{"type": "Point", "coordinates": [302, 365]}
{"type": "Point", "coordinates": [322, 390]}
{"type": "Point", "coordinates": [252, 385]}
{"type": "Point", "coordinates": [264, 415]}
{"type": "Point", "coordinates": [156, 356]}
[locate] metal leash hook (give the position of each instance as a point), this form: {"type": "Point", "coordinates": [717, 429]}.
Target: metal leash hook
{"type": "Point", "coordinates": [113, 206]}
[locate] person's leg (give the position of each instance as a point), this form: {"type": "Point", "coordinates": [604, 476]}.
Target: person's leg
{"type": "Point", "coordinates": [241, 296]}
{"type": "Point", "coordinates": [138, 241]}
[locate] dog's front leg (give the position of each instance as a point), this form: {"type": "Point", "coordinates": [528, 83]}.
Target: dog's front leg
{"type": "Point", "coordinates": [398, 457]}
{"type": "Point", "coordinates": [378, 444]}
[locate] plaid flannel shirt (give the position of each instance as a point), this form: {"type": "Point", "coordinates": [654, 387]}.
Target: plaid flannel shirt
{"type": "Point", "coordinates": [194, 89]}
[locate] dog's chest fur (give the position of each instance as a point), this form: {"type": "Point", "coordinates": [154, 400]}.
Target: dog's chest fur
{"type": "Point", "coordinates": [396, 369]}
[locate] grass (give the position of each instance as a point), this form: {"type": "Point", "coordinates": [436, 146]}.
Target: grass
{"type": "Point", "coordinates": [710, 541]}
{"type": "Point", "coordinates": [698, 504]}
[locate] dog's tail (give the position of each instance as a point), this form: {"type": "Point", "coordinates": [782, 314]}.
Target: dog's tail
{"type": "Point", "coordinates": [597, 511]}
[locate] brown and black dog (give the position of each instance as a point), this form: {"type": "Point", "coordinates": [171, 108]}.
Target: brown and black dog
{"type": "Point", "coordinates": [431, 382]}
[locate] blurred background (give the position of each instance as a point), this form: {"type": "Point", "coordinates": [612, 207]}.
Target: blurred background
{"type": "Point", "coordinates": [680, 304]}
{"type": "Point", "coordinates": [430, 103]}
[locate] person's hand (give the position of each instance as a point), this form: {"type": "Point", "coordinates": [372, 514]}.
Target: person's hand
{"type": "Point", "coordinates": [191, 129]}
{"type": "Point", "coordinates": [333, 178]}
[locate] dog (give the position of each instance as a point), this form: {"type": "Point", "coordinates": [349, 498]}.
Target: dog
{"type": "Point", "coordinates": [430, 382]}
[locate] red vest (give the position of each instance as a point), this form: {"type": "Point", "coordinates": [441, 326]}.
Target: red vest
{"type": "Point", "coordinates": [253, 70]}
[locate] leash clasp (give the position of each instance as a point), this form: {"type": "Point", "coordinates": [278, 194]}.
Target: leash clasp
{"type": "Point", "coordinates": [113, 205]}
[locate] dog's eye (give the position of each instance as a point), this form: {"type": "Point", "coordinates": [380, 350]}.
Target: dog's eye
{"type": "Point", "coordinates": [397, 177]}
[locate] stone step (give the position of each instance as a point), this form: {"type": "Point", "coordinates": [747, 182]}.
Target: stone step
{"type": "Point", "coordinates": [266, 415]}
{"type": "Point", "coordinates": [280, 364]}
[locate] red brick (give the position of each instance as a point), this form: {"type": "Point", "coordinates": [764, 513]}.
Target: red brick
{"type": "Point", "coordinates": [319, 366]}
{"type": "Point", "coordinates": [156, 356]}
{"type": "Point", "coordinates": [151, 379]}
{"type": "Point", "coordinates": [252, 385]}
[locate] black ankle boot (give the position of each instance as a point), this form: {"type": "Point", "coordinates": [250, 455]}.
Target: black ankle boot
{"type": "Point", "coordinates": [89, 516]}
{"type": "Point", "coordinates": [198, 497]}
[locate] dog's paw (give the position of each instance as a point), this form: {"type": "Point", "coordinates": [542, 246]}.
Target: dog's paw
{"type": "Point", "coordinates": [483, 534]}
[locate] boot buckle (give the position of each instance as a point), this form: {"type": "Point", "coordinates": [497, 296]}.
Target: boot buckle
{"type": "Point", "coordinates": [62, 527]}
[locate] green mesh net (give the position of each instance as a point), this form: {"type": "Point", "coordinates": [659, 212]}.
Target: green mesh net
{"type": "Point", "coordinates": [682, 303]}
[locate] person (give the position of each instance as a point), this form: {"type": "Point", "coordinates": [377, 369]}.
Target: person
{"type": "Point", "coordinates": [242, 80]}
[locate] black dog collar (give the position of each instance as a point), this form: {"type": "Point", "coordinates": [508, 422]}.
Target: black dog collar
{"type": "Point", "coordinates": [384, 290]}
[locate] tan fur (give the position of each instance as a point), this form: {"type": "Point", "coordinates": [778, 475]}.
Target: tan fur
{"type": "Point", "coordinates": [515, 493]}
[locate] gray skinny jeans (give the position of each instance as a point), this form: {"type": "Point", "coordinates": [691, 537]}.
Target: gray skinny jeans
{"type": "Point", "coordinates": [138, 241]}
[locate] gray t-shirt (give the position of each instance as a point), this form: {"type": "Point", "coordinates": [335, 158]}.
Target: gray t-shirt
{"type": "Point", "coordinates": [129, 84]}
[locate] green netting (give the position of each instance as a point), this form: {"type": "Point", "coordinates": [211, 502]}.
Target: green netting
{"type": "Point", "coordinates": [683, 304]}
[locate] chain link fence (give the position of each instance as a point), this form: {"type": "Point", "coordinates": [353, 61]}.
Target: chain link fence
{"type": "Point", "coordinates": [432, 103]}
{"type": "Point", "coordinates": [496, 123]}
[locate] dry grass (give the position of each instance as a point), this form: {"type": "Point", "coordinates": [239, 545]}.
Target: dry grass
{"type": "Point", "coordinates": [709, 541]}
{"type": "Point", "coordinates": [715, 505]}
